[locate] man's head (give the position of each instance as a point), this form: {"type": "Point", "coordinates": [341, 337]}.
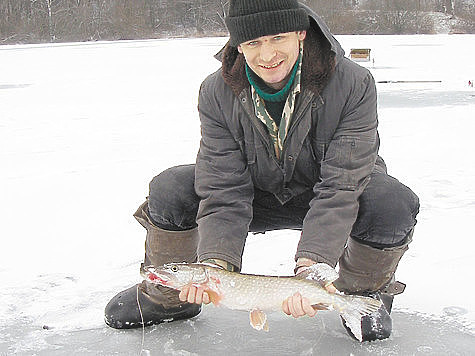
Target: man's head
{"type": "Point", "coordinates": [250, 19]}
{"type": "Point", "coordinates": [268, 33]}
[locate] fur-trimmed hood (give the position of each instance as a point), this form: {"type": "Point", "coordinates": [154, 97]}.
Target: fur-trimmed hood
{"type": "Point", "coordinates": [321, 54]}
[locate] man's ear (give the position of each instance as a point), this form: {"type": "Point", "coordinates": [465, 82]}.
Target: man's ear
{"type": "Point", "coordinates": [239, 49]}
{"type": "Point", "coordinates": [302, 35]}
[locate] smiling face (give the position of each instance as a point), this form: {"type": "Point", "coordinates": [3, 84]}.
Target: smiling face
{"type": "Point", "coordinates": [273, 57]}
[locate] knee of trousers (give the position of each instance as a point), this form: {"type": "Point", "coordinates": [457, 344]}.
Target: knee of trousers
{"type": "Point", "coordinates": [387, 213]}
{"type": "Point", "coordinates": [173, 203]}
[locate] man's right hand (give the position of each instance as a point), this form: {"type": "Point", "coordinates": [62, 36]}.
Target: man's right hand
{"type": "Point", "coordinates": [194, 294]}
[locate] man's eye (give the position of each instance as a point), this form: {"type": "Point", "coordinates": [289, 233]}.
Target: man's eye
{"type": "Point", "coordinates": [252, 44]}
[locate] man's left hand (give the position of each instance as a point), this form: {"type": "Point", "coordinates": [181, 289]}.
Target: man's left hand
{"type": "Point", "coordinates": [297, 305]}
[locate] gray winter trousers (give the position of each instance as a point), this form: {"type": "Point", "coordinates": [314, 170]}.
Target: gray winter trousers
{"type": "Point", "coordinates": [386, 217]}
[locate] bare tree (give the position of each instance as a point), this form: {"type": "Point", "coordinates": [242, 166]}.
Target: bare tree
{"type": "Point", "coordinates": [223, 10]}
{"type": "Point", "coordinates": [82, 20]}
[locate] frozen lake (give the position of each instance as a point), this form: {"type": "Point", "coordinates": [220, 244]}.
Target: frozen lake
{"type": "Point", "coordinates": [83, 129]}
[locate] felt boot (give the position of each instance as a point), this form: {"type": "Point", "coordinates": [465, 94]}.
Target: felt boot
{"type": "Point", "coordinates": [368, 271]}
{"type": "Point", "coordinates": [146, 303]}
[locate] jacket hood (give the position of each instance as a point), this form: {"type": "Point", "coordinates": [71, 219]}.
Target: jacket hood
{"type": "Point", "coordinates": [317, 23]}
{"type": "Point", "coordinates": [322, 52]}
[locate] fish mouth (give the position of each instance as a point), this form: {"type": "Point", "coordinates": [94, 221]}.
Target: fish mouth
{"type": "Point", "coordinates": [156, 278]}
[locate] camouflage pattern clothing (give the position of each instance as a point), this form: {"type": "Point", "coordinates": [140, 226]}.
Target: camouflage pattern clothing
{"type": "Point", "coordinates": [278, 134]}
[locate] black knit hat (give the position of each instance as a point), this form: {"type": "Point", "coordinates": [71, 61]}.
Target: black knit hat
{"type": "Point", "coordinates": [249, 19]}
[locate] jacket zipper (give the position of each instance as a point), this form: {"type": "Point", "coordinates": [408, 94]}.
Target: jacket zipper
{"type": "Point", "coordinates": [299, 114]}
{"type": "Point", "coordinates": [259, 127]}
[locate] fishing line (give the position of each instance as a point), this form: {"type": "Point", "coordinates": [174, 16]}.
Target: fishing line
{"type": "Point", "coordinates": [321, 334]}
{"type": "Point", "coordinates": [141, 318]}
{"type": "Point", "coordinates": [323, 330]}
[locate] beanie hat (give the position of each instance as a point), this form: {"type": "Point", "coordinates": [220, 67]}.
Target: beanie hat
{"type": "Point", "coordinates": [250, 19]}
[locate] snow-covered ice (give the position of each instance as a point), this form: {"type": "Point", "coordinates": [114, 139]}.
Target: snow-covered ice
{"type": "Point", "coordinates": [83, 129]}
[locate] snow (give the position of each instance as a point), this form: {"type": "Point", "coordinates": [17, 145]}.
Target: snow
{"type": "Point", "coordinates": [84, 128]}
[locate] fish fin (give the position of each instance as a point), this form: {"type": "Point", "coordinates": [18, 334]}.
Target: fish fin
{"type": "Point", "coordinates": [266, 326]}
{"type": "Point", "coordinates": [258, 320]}
{"type": "Point", "coordinates": [214, 297]}
{"type": "Point", "coordinates": [321, 306]}
{"type": "Point", "coordinates": [355, 308]}
{"type": "Point", "coordinates": [321, 273]}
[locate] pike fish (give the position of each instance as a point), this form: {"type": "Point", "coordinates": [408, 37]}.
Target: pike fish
{"type": "Point", "coordinates": [259, 294]}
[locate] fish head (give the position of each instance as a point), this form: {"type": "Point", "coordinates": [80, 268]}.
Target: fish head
{"type": "Point", "coordinates": [175, 275]}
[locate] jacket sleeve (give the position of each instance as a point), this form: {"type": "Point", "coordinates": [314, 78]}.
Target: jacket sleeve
{"type": "Point", "coordinates": [345, 171]}
{"type": "Point", "coordinates": [223, 183]}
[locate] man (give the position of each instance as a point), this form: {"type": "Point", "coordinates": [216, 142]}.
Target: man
{"type": "Point", "coordinates": [289, 141]}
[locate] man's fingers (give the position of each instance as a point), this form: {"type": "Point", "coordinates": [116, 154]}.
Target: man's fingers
{"type": "Point", "coordinates": [206, 299]}
{"type": "Point", "coordinates": [191, 294]}
{"type": "Point", "coordinates": [307, 307]}
{"type": "Point", "coordinates": [201, 296]}
{"type": "Point", "coordinates": [297, 306]}
{"type": "Point", "coordinates": [198, 295]}
{"type": "Point", "coordinates": [183, 296]}
{"type": "Point", "coordinates": [297, 310]}
{"type": "Point", "coordinates": [285, 306]}
{"type": "Point", "coordinates": [331, 288]}
{"type": "Point", "coordinates": [291, 306]}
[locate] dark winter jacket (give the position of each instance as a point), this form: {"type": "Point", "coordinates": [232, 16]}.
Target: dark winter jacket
{"type": "Point", "coordinates": [331, 147]}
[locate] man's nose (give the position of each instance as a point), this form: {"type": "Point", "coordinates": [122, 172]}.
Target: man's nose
{"type": "Point", "coordinates": [268, 52]}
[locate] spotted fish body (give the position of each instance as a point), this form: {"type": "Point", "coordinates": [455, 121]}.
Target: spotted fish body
{"type": "Point", "coordinates": [258, 294]}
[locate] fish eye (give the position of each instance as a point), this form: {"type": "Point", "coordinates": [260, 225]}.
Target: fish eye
{"type": "Point", "coordinates": [174, 268]}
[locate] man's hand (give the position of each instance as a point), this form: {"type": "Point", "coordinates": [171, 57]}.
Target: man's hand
{"type": "Point", "coordinates": [194, 294]}
{"type": "Point", "coordinates": [296, 305]}
{"type": "Point", "coordinates": [197, 294]}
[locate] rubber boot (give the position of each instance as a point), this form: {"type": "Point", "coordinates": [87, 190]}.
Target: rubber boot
{"type": "Point", "coordinates": [368, 271]}
{"type": "Point", "coordinates": [146, 303]}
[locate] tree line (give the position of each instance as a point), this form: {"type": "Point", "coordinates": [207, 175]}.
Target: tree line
{"type": "Point", "coordinates": [34, 21]}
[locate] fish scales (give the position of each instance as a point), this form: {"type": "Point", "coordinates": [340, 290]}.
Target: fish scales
{"type": "Point", "coordinates": [247, 292]}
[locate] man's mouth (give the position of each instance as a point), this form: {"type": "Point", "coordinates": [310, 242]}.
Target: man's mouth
{"type": "Point", "coordinates": [271, 66]}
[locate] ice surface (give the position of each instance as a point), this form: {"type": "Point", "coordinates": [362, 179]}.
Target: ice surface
{"type": "Point", "coordinates": [83, 129]}
{"type": "Point", "coordinates": [226, 332]}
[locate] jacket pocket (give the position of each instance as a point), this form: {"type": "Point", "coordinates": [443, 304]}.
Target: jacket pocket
{"type": "Point", "coordinates": [347, 163]}
{"type": "Point", "coordinates": [318, 150]}
{"type": "Point", "coordinates": [309, 161]}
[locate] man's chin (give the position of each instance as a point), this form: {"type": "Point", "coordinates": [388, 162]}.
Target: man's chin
{"type": "Point", "coordinates": [276, 83]}
{"type": "Point", "coordinates": [274, 80]}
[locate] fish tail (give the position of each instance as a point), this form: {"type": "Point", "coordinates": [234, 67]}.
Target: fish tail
{"type": "Point", "coordinates": [354, 309]}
